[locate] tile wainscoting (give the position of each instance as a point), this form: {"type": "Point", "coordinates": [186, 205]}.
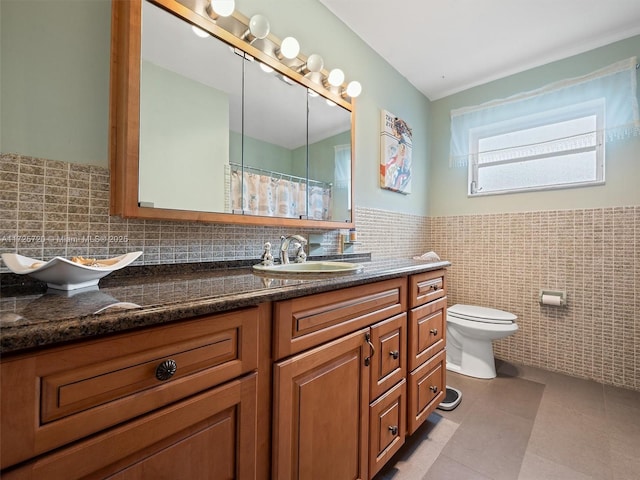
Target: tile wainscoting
{"type": "Point", "coordinates": [503, 260]}
{"type": "Point", "coordinates": [50, 208]}
{"type": "Point", "coordinates": [392, 235]}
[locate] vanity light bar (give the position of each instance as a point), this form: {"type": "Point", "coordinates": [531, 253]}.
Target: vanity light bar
{"type": "Point", "coordinates": [286, 51]}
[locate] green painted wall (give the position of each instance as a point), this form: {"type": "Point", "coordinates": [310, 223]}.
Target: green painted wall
{"type": "Point", "coordinates": [268, 156]}
{"type": "Point", "coordinates": [184, 141]}
{"type": "Point", "coordinates": [54, 80]}
{"type": "Point", "coordinates": [448, 186]}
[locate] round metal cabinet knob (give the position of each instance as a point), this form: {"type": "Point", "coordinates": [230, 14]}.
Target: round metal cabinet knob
{"type": "Point", "coordinates": [393, 429]}
{"type": "Point", "coordinates": [433, 388]}
{"type": "Point", "coordinates": [395, 354]}
{"type": "Point", "coordinates": [166, 370]}
{"type": "Point", "coordinates": [433, 331]}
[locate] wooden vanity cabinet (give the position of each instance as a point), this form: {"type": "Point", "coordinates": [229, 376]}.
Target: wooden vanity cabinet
{"type": "Point", "coordinates": [339, 382]}
{"type": "Point", "coordinates": [316, 387]}
{"type": "Point", "coordinates": [427, 340]}
{"type": "Point", "coordinates": [175, 401]}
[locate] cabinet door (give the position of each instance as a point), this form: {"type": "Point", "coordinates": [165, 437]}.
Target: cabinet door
{"type": "Point", "coordinates": [427, 388]}
{"type": "Point", "coordinates": [427, 331]}
{"type": "Point", "coordinates": [427, 287]}
{"type": "Point", "coordinates": [321, 409]}
{"type": "Point", "coordinates": [306, 322]}
{"type": "Point", "coordinates": [388, 363]}
{"type": "Point", "coordinates": [387, 426]}
{"type": "Point", "coordinates": [210, 436]}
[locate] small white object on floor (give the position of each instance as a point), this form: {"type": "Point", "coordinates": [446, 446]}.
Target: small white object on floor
{"type": "Point", "coordinates": [429, 256]}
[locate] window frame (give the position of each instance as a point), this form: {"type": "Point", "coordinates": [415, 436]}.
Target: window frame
{"type": "Point", "coordinates": [549, 117]}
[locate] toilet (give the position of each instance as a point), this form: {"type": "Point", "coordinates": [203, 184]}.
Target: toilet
{"type": "Point", "coordinates": [470, 332]}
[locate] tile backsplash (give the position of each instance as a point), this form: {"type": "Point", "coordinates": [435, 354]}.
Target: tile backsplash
{"type": "Point", "coordinates": [50, 208]}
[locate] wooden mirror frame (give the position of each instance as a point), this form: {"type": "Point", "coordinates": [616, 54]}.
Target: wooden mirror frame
{"type": "Point", "coordinates": [124, 117]}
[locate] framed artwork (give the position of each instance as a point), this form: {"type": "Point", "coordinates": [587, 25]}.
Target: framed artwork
{"type": "Point", "coordinates": [395, 153]}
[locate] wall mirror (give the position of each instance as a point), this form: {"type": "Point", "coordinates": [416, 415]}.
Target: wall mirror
{"type": "Point", "coordinates": [214, 129]}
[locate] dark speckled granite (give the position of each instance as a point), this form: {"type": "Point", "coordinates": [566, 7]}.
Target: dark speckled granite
{"type": "Point", "coordinates": [31, 320]}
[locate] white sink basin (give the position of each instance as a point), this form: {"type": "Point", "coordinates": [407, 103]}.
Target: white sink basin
{"type": "Point", "coordinates": [311, 267]}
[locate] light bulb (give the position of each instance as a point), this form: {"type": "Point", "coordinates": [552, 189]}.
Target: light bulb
{"type": "Point", "coordinates": [315, 63]}
{"type": "Point", "coordinates": [265, 68]}
{"type": "Point", "coordinates": [289, 48]}
{"type": "Point", "coordinates": [336, 77]}
{"type": "Point", "coordinates": [354, 89]}
{"type": "Point", "coordinates": [331, 103]}
{"type": "Point", "coordinates": [259, 26]}
{"type": "Point", "coordinates": [223, 8]}
{"type": "Point", "coordinates": [199, 32]}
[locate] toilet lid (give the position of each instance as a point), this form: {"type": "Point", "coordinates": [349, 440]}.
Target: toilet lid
{"type": "Point", "coordinates": [481, 314]}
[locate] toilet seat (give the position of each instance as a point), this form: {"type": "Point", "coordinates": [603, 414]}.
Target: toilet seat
{"type": "Point", "coordinates": [481, 314]}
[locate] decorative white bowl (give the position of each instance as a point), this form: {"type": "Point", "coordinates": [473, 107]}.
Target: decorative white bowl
{"type": "Point", "coordinates": [63, 274]}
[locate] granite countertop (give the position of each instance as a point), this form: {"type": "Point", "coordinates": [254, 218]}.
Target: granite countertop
{"type": "Point", "coordinates": [34, 317]}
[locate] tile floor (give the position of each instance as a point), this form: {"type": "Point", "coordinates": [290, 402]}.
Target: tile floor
{"type": "Point", "coordinates": [526, 424]}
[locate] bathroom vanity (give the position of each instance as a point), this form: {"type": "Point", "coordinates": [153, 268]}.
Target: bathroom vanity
{"type": "Point", "coordinates": [224, 374]}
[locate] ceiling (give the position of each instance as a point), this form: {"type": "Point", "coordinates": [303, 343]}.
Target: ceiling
{"type": "Point", "coordinates": [446, 46]}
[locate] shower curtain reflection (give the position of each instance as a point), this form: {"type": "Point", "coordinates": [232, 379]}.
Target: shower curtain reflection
{"type": "Point", "coordinates": [256, 191]}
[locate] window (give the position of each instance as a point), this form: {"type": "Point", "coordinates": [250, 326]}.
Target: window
{"type": "Point", "coordinates": [554, 149]}
{"type": "Point", "coordinates": [551, 137]}
{"type": "Point", "coordinates": [342, 170]}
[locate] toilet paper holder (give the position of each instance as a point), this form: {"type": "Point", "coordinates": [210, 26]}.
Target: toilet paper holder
{"type": "Point", "coordinates": [557, 298]}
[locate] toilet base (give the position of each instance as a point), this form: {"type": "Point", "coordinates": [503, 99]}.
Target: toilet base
{"type": "Point", "coordinates": [486, 374]}
{"type": "Point", "coordinates": [476, 360]}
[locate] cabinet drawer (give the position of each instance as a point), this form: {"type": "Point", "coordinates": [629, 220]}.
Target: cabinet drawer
{"type": "Point", "coordinates": [173, 442]}
{"type": "Point", "coordinates": [66, 393]}
{"type": "Point", "coordinates": [426, 287]}
{"type": "Point", "coordinates": [387, 427]}
{"type": "Point", "coordinates": [388, 363]}
{"type": "Point", "coordinates": [427, 386]}
{"type": "Point", "coordinates": [427, 331]}
{"type": "Point", "coordinates": [305, 322]}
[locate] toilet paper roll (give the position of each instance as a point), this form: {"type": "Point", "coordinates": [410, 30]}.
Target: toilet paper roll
{"type": "Point", "coordinates": [551, 300]}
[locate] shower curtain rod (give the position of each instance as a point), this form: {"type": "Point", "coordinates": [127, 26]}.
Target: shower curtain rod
{"type": "Point", "coordinates": [271, 173]}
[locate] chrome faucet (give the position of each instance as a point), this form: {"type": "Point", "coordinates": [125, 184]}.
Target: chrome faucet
{"type": "Point", "coordinates": [284, 248]}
